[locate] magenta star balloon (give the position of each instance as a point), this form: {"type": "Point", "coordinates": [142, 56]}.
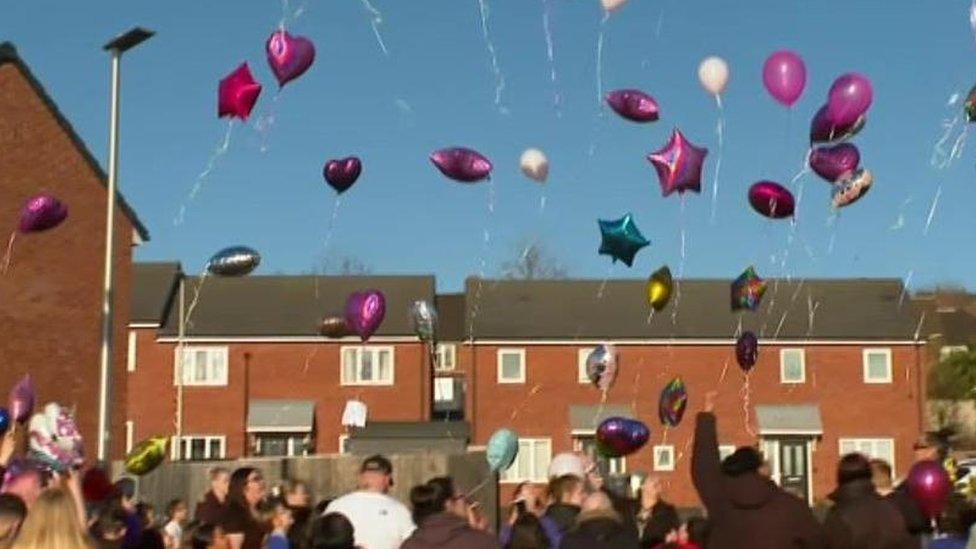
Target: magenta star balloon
{"type": "Point", "coordinates": [237, 93]}
{"type": "Point", "coordinates": [678, 164]}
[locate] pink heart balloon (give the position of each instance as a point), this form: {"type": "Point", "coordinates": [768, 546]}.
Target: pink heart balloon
{"type": "Point", "coordinates": [289, 56]}
{"type": "Point", "coordinates": [365, 312]}
{"type": "Point", "coordinates": [771, 199]}
{"type": "Point", "coordinates": [833, 163]}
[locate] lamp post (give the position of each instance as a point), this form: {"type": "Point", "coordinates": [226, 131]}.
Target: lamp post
{"type": "Point", "coordinates": [116, 47]}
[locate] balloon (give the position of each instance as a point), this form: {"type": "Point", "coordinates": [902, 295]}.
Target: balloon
{"type": "Point", "coordinates": [713, 73]}
{"type": "Point", "coordinates": [771, 199]}
{"type": "Point", "coordinates": [833, 163]}
{"type": "Point", "coordinates": [601, 366]}
{"type": "Point", "coordinates": [54, 439]}
{"type": "Point", "coordinates": [334, 327]}
{"type": "Point", "coordinates": [365, 312]}
{"type": "Point", "coordinates": [146, 456]}
{"type": "Point", "coordinates": [610, 5]}
{"type": "Point", "coordinates": [747, 290]}
{"type": "Point", "coordinates": [566, 463]}
{"type": "Point", "coordinates": [747, 351]}
{"type": "Point", "coordinates": [621, 239]}
{"type": "Point", "coordinates": [929, 485]}
{"type": "Point", "coordinates": [851, 188]}
{"type": "Point", "coordinates": [461, 164]}
{"type": "Point", "coordinates": [969, 106]}
{"type": "Point", "coordinates": [784, 76]}
{"type": "Point", "coordinates": [671, 406]}
{"type": "Point", "coordinates": [4, 420]}
{"type": "Point", "coordinates": [678, 165]}
{"type": "Point", "coordinates": [848, 99]}
{"type": "Point", "coordinates": [424, 319]}
{"type": "Point", "coordinates": [619, 436]}
{"type": "Point", "coordinates": [237, 93]}
{"type": "Point", "coordinates": [634, 105]}
{"type": "Point", "coordinates": [342, 173]}
{"type": "Point", "coordinates": [659, 288]}
{"type": "Point", "coordinates": [501, 450]}
{"type": "Point", "coordinates": [40, 213]}
{"type": "Point", "coordinates": [289, 56]}
{"type": "Point", "coordinates": [234, 261]}
{"type": "Point", "coordinates": [823, 130]}
{"type": "Point", "coordinates": [21, 401]}
{"type": "Point", "coordinates": [534, 165]}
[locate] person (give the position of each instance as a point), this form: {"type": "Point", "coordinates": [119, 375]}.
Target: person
{"type": "Point", "coordinates": [213, 507]}
{"type": "Point", "coordinates": [954, 523]}
{"type": "Point", "coordinates": [526, 533]}
{"type": "Point", "coordinates": [12, 513]}
{"type": "Point", "coordinates": [125, 493]}
{"type": "Point", "coordinates": [599, 526]}
{"type": "Point", "coordinates": [281, 520]}
{"type": "Point", "coordinates": [244, 530]}
{"type": "Point", "coordinates": [656, 517]}
{"type": "Point", "coordinates": [380, 522]}
{"type": "Point", "coordinates": [442, 517]}
{"type": "Point", "coordinates": [860, 517]}
{"type": "Point", "coordinates": [208, 536]}
{"type": "Point", "coordinates": [176, 513]}
{"type": "Point", "coordinates": [567, 497]}
{"type": "Point", "coordinates": [926, 447]}
{"type": "Point", "coordinates": [331, 531]}
{"type": "Point", "coordinates": [108, 528]}
{"type": "Point", "coordinates": [52, 522]}
{"type": "Point", "coordinates": [299, 502]}
{"type": "Point", "coordinates": [744, 508]}
{"type": "Point", "coordinates": [526, 501]}
{"type": "Point", "coordinates": [697, 530]}
{"type": "Point", "coordinates": [881, 477]}
{"type": "Point", "coordinates": [152, 537]}
{"type": "Point", "coordinates": [527, 492]}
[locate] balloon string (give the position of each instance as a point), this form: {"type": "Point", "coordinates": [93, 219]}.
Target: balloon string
{"type": "Point", "coordinates": [375, 20]}
{"type": "Point", "coordinates": [9, 254]}
{"type": "Point", "coordinates": [720, 132]}
{"type": "Point", "coordinates": [532, 392]}
{"type": "Point", "coordinates": [556, 99]}
{"type": "Point", "coordinates": [495, 68]}
{"type": "Point", "coordinates": [483, 262]}
{"type": "Point", "coordinates": [681, 265]}
{"type": "Point", "coordinates": [309, 357]}
{"type": "Point", "coordinates": [972, 17]}
{"type": "Point", "coordinates": [264, 123]}
{"type": "Point", "coordinates": [935, 203]}
{"type": "Point", "coordinates": [599, 58]}
{"type": "Point", "coordinates": [905, 288]}
{"type": "Point", "coordinates": [603, 284]}
{"type": "Point", "coordinates": [220, 151]}
{"type": "Point", "coordinates": [746, 392]}
{"type": "Point", "coordinates": [599, 409]}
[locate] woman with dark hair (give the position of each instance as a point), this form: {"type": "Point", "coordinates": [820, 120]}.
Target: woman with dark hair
{"type": "Point", "coordinates": [441, 515]}
{"type": "Point", "coordinates": [860, 517]}
{"type": "Point", "coordinates": [527, 533]}
{"type": "Point", "coordinates": [242, 525]}
{"type": "Point", "coordinates": [331, 531]}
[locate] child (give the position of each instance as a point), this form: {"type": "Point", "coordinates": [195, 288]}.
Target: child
{"type": "Point", "coordinates": [281, 521]}
{"type": "Point", "coordinates": [176, 512]}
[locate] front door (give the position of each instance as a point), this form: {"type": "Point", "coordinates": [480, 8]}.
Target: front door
{"type": "Point", "coordinates": [793, 466]}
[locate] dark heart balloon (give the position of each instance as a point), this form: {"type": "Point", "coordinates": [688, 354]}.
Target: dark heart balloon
{"type": "Point", "coordinates": [833, 163]}
{"type": "Point", "coordinates": [619, 436]}
{"type": "Point", "coordinates": [822, 130]}
{"type": "Point", "coordinates": [40, 213]}
{"type": "Point", "coordinates": [851, 188]}
{"type": "Point", "coordinates": [634, 105]}
{"type": "Point", "coordinates": [929, 485]}
{"type": "Point", "coordinates": [365, 312]}
{"type": "Point", "coordinates": [747, 351]}
{"type": "Point", "coordinates": [771, 199]}
{"type": "Point", "coordinates": [334, 327]}
{"type": "Point", "coordinates": [342, 173]}
{"type": "Point", "coordinates": [461, 164]}
{"type": "Point", "coordinates": [671, 406]}
{"type": "Point", "coordinates": [289, 56]}
{"type": "Point", "coordinates": [234, 261]}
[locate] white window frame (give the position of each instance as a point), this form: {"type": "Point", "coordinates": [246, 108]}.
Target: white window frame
{"type": "Point", "coordinates": [514, 475]}
{"type": "Point", "coordinates": [291, 443]}
{"type": "Point", "coordinates": [500, 359]}
{"type": "Point", "coordinates": [725, 450]}
{"type": "Point", "coordinates": [616, 465]}
{"type": "Point", "coordinates": [186, 445]}
{"type": "Point", "coordinates": [782, 365]}
{"type": "Point", "coordinates": [866, 364]}
{"type": "Point", "coordinates": [359, 353]}
{"type": "Point", "coordinates": [874, 441]}
{"type": "Point", "coordinates": [342, 440]}
{"type": "Point", "coordinates": [130, 427]}
{"type": "Point", "coordinates": [130, 358]}
{"type": "Point", "coordinates": [581, 356]}
{"type": "Point", "coordinates": [443, 352]}
{"type": "Point", "coordinates": [948, 350]}
{"type": "Point", "coordinates": [659, 451]}
{"type": "Point", "coordinates": [188, 377]}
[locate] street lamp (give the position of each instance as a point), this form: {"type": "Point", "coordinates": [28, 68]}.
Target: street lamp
{"type": "Point", "coordinates": [116, 47]}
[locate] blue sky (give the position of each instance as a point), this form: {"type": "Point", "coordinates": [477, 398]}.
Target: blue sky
{"type": "Point", "coordinates": [436, 88]}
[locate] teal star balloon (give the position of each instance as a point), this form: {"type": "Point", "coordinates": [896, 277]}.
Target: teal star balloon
{"type": "Point", "coordinates": [621, 239]}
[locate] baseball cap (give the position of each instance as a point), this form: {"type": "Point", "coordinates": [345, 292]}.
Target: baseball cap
{"type": "Point", "coordinates": [377, 464]}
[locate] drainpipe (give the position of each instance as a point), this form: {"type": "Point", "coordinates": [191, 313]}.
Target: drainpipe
{"type": "Point", "coordinates": [247, 391]}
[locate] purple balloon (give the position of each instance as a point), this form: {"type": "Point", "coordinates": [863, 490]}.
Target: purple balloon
{"type": "Point", "coordinates": [21, 404]}
{"type": "Point", "coordinates": [929, 485]}
{"type": "Point", "coordinates": [634, 105]}
{"type": "Point", "coordinates": [747, 351]}
{"type": "Point", "coordinates": [822, 130]}
{"type": "Point", "coordinates": [342, 173]}
{"type": "Point", "coordinates": [289, 56]}
{"type": "Point", "coordinates": [619, 436]}
{"type": "Point", "coordinates": [784, 76]}
{"type": "Point", "coordinates": [461, 164]}
{"type": "Point", "coordinates": [849, 98]}
{"type": "Point", "coordinates": [40, 213]}
{"type": "Point", "coordinates": [833, 163]}
{"type": "Point", "coordinates": [365, 312]}
{"type": "Point", "coordinates": [771, 199]}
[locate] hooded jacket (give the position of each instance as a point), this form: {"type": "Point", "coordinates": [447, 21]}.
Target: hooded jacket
{"type": "Point", "coordinates": [448, 531]}
{"type": "Point", "coordinates": [861, 518]}
{"type": "Point", "coordinates": [599, 529]}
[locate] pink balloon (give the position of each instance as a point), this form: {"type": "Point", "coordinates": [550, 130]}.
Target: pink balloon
{"type": "Point", "coordinates": [289, 56]}
{"type": "Point", "coordinates": [822, 130]}
{"type": "Point", "coordinates": [929, 485]}
{"type": "Point", "coordinates": [40, 213]}
{"type": "Point", "coordinates": [461, 164]}
{"type": "Point", "coordinates": [678, 165]}
{"type": "Point", "coordinates": [784, 76]}
{"type": "Point", "coordinates": [365, 312]}
{"type": "Point", "coordinates": [634, 105]}
{"type": "Point", "coordinates": [237, 93]}
{"type": "Point", "coordinates": [22, 397]}
{"type": "Point", "coordinates": [849, 98]}
{"type": "Point", "coordinates": [771, 199]}
{"type": "Point", "coordinates": [833, 163]}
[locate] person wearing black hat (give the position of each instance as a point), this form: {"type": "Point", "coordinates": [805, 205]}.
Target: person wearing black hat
{"type": "Point", "coordinates": [379, 521]}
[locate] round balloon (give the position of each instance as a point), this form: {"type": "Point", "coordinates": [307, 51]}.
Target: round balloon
{"type": "Point", "coordinates": [784, 76]}
{"type": "Point", "coordinates": [534, 165]}
{"type": "Point", "coordinates": [747, 351]}
{"type": "Point", "coordinates": [40, 213]}
{"type": "Point", "coordinates": [849, 98]}
{"type": "Point", "coordinates": [146, 456]}
{"type": "Point", "coordinates": [365, 312]}
{"type": "Point", "coordinates": [601, 366]}
{"type": "Point", "coordinates": [771, 199]}
{"type": "Point", "coordinates": [929, 485]}
{"type": "Point", "coordinates": [659, 288]}
{"type": "Point", "coordinates": [234, 261]}
{"type": "Point", "coordinates": [851, 188]}
{"type": "Point", "coordinates": [619, 436]}
{"type": "Point", "coordinates": [501, 450]}
{"type": "Point", "coordinates": [713, 73]}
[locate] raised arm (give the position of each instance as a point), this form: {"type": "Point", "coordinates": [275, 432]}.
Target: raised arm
{"type": "Point", "coordinates": [706, 469]}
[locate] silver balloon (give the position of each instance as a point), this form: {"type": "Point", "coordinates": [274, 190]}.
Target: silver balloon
{"type": "Point", "coordinates": [234, 261]}
{"type": "Point", "coordinates": [601, 366]}
{"type": "Point", "coordinates": [424, 319]}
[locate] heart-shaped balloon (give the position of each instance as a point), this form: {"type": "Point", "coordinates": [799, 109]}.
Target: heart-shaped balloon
{"type": "Point", "coordinates": [619, 436]}
{"type": "Point", "coordinates": [833, 163]}
{"type": "Point", "coordinates": [822, 130]}
{"type": "Point", "coordinates": [365, 312]}
{"type": "Point", "coordinates": [461, 164]}
{"type": "Point", "coordinates": [747, 351]}
{"type": "Point", "coordinates": [771, 199]}
{"type": "Point", "coordinates": [342, 173]}
{"type": "Point", "coordinates": [289, 56]}
{"type": "Point", "coordinates": [40, 213]}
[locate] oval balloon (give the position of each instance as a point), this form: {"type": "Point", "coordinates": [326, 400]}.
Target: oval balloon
{"type": "Point", "coordinates": [713, 74]}
{"type": "Point", "coordinates": [634, 105]}
{"type": "Point", "coordinates": [237, 93]}
{"type": "Point", "coordinates": [334, 327]}
{"type": "Point", "coordinates": [534, 165]}
{"type": "Point", "coordinates": [822, 130]}
{"type": "Point", "coordinates": [929, 485]}
{"type": "Point", "coordinates": [289, 56]}
{"type": "Point", "coordinates": [601, 366]}
{"type": "Point", "coordinates": [146, 456]}
{"type": "Point", "coordinates": [234, 261]}
{"type": "Point", "coordinates": [40, 213]}
{"type": "Point", "coordinates": [365, 312]}
{"type": "Point", "coordinates": [784, 76]}
{"type": "Point", "coordinates": [849, 98]}
{"type": "Point", "coordinates": [424, 320]}
{"type": "Point", "coordinates": [833, 163]}
{"type": "Point", "coordinates": [771, 199]}
{"type": "Point", "coordinates": [341, 173]}
{"type": "Point", "coordinates": [672, 403]}
{"type": "Point", "coordinates": [659, 288]}
{"type": "Point", "coordinates": [851, 188]}
{"type": "Point", "coordinates": [461, 164]}
{"type": "Point", "coordinates": [501, 450]}
{"type": "Point", "coordinates": [21, 401]}
{"type": "Point", "coordinates": [747, 351]}
{"type": "Point", "coordinates": [619, 436]}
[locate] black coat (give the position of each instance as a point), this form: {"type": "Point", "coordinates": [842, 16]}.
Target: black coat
{"type": "Point", "coordinates": [915, 521]}
{"type": "Point", "coordinates": [599, 530]}
{"type": "Point", "coordinates": [563, 516]}
{"type": "Point", "coordinates": [447, 531]}
{"type": "Point", "coordinates": [655, 526]}
{"type": "Point", "coordinates": [862, 519]}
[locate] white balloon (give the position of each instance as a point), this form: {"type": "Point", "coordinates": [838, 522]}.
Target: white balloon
{"type": "Point", "coordinates": [610, 5]}
{"type": "Point", "coordinates": [534, 165]}
{"type": "Point", "coordinates": [713, 73]}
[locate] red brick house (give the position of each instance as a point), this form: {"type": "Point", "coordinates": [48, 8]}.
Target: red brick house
{"type": "Point", "coordinates": [52, 293]}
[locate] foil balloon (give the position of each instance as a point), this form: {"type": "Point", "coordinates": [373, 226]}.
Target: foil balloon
{"type": "Point", "coordinates": [771, 199]}
{"type": "Point", "coordinates": [621, 239]}
{"type": "Point", "coordinates": [822, 130]}
{"type": "Point", "coordinates": [289, 56]}
{"type": "Point", "coordinates": [146, 456]}
{"type": "Point", "coordinates": [672, 403]}
{"type": "Point", "coordinates": [833, 163]}
{"type": "Point", "coordinates": [40, 213]}
{"type": "Point", "coordinates": [341, 173]}
{"type": "Point", "coordinates": [21, 400]}
{"type": "Point", "coordinates": [534, 165]}
{"type": "Point", "coordinates": [784, 76]}
{"type": "Point", "coordinates": [678, 165]}
{"type": "Point", "coordinates": [234, 261]}
{"type": "Point", "coordinates": [851, 188]}
{"type": "Point", "coordinates": [659, 288]}
{"type": "Point", "coordinates": [619, 436]}
{"type": "Point", "coordinates": [747, 351]}
{"type": "Point", "coordinates": [365, 312]}
{"type": "Point", "coordinates": [611, 5]}
{"type": "Point", "coordinates": [601, 366]}
{"type": "Point", "coordinates": [461, 164]}
{"type": "Point", "coordinates": [969, 106]}
{"type": "Point", "coordinates": [54, 439]}
{"type": "Point", "coordinates": [334, 327]}
{"type": "Point", "coordinates": [4, 420]}
{"type": "Point", "coordinates": [501, 450]}
{"type": "Point", "coordinates": [929, 485]}
{"type": "Point", "coordinates": [713, 74]}
{"type": "Point", "coordinates": [747, 290]}
{"type": "Point", "coordinates": [424, 320]}
{"type": "Point", "coordinates": [237, 93]}
{"type": "Point", "coordinates": [849, 98]}
{"type": "Point", "coordinates": [634, 105]}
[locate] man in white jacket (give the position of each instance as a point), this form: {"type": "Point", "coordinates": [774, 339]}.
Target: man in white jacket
{"type": "Point", "coordinates": [378, 520]}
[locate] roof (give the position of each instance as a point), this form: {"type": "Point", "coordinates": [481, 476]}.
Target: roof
{"type": "Point", "coordinates": [956, 327]}
{"type": "Point", "coordinates": [8, 54]}
{"type": "Point", "coordinates": [587, 418]}
{"type": "Point", "coordinates": [796, 419]}
{"type": "Point", "coordinates": [450, 317]}
{"type": "Point", "coordinates": [153, 288]}
{"type": "Point", "coordinates": [280, 416]}
{"type": "Point", "coordinates": [841, 309]}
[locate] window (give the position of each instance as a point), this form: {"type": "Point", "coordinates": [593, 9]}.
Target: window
{"type": "Point", "coordinates": [511, 365]}
{"type": "Point", "coordinates": [443, 389]}
{"type": "Point", "coordinates": [873, 448]}
{"type": "Point", "coordinates": [199, 447]}
{"type": "Point", "coordinates": [367, 366]}
{"type": "Point", "coordinates": [877, 365]}
{"type": "Point", "coordinates": [532, 462]}
{"type": "Point", "coordinates": [203, 365]}
{"type": "Point", "coordinates": [948, 350]}
{"type": "Point", "coordinates": [446, 354]}
{"type": "Point", "coordinates": [581, 356]}
{"type": "Point", "coordinates": [281, 444]}
{"type": "Point", "coordinates": [664, 458]}
{"type": "Point", "coordinates": [130, 359]}
{"type": "Point", "coordinates": [725, 450]}
{"type": "Point", "coordinates": [586, 443]}
{"type": "Point", "coordinates": [792, 366]}
{"type": "Point", "coordinates": [343, 444]}
{"type": "Point", "coordinates": [130, 428]}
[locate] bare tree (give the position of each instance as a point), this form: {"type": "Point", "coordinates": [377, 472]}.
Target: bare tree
{"type": "Point", "coordinates": [533, 263]}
